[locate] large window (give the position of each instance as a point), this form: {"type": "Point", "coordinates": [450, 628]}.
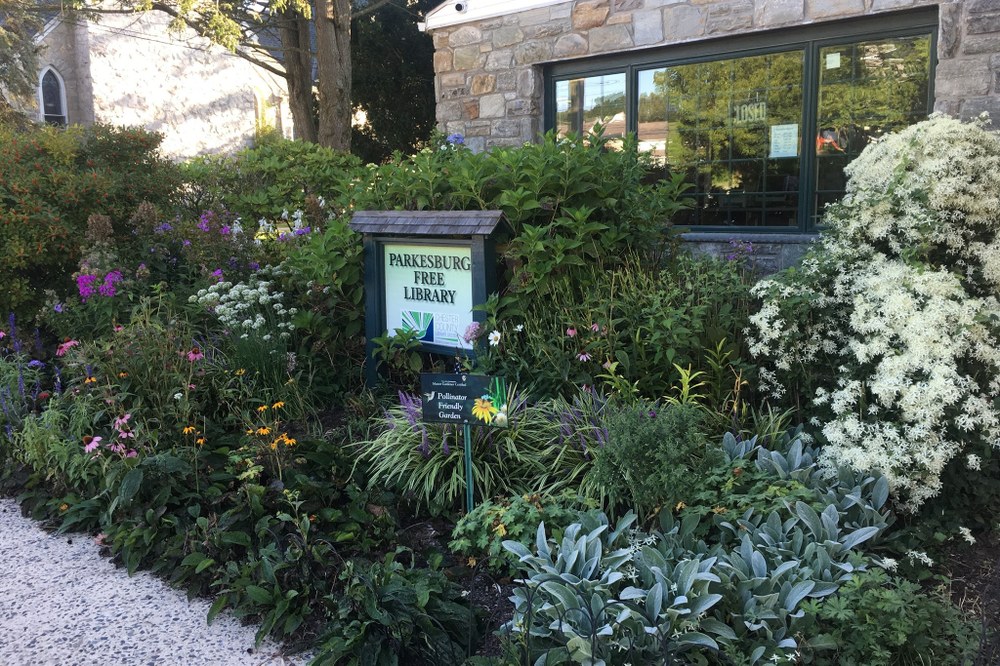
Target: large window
{"type": "Point", "coordinates": [762, 132]}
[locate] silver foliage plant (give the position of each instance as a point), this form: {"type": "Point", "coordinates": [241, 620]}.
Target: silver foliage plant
{"type": "Point", "coordinates": [890, 326]}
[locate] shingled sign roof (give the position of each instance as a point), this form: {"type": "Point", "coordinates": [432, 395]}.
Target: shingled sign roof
{"type": "Point", "coordinates": [428, 222]}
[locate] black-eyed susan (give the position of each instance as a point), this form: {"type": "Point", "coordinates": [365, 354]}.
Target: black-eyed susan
{"type": "Point", "coordinates": [262, 409]}
{"type": "Point", "coordinates": [90, 380]}
{"type": "Point", "coordinates": [263, 430]}
{"type": "Point", "coordinates": [239, 372]}
{"type": "Point", "coordinates": [483, 409]}
{"type": "Point", "coordinates": [278, 405]}
{"type": "Point", "coordinates": [200, 441]}
{"type": "Point", "coordinates": [188, 430]}
{"type": "Point", "coordinates": [122, 375]}
{"type": "Point", "coordinates": [249, 431]}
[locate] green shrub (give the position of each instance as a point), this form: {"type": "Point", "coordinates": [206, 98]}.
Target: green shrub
{"type": "Point", "coordinates": [655, 456]}
{"type": "Point", "coordinates": [880, 620]}
{"type": "Point", "coordinates": [633, 330]}
{"type": "Point", "coordinates": [391, 614]}
{"type": "Point", "coordinates": [51, 182]}
{"type": "Point", "coordinates": [480, 535]}
{"type": "Point", "coordinates": [267, 180]}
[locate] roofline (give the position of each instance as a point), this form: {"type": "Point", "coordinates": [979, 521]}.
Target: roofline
{"type": "Point", "coordinates": [49, 26]}
{"type": "Point", "coordinates": [457, 12]}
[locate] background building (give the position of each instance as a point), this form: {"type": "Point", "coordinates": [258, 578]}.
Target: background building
{"type": "Point", "coordinates": [760, 103]}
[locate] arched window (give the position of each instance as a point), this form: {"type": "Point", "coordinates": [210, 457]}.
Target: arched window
{"type": "Point", "coordinates": [52, 95]}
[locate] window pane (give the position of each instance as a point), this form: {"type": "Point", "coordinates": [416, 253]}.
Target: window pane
{"type": "Point", "coordinates": [52, 107]}
{"type": "Point", "coordinates": [584, 102]}
{"type": "Point", "coordinates": [866, 89]}
{"type": "Point", "coordinates": [733, 126]}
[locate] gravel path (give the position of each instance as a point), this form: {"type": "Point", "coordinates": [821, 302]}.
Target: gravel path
{"type": "Point", "coordinates": [62, 604]}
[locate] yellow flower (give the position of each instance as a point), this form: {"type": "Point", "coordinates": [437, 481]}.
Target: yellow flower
{"type": "Point", "coordinates": [278, 405]}
{"type": "Point", "coordinates": [90, 380]}
{"type": "Point", "coordinates": [500, 530]}
{"type": "Point", "coordinates": [122, 375]}
{"type": "Point", "coordinates": [200, 441]}
{"type": "Point", "coordinates": [188, 430]}
{"type": "Point", "coordinates": [471, 562]}
{"type": "Point", "coordinates": [250, 431]}
{"type": "Point", "coordinates": [262, 409]}
{"type": "Point", "coordinates": [719, 509]}
{"type": "Point", "coordinates": [240, 372]}
{"type": "Point", "coordinates": [484, 410]}
{"type": "Point", "coordinates": [274, 444]}
{"type": "Point", "coordinates": [64, 507]}
{"type": "Point", "coordinates": [680, 505]}
{"type": "Point", "coordinates": [290, 441]}
{"type": "Point", "coordinates": [263, 430]}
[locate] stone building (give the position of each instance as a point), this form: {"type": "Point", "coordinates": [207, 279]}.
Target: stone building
{"type": "Point", "coordinates": [128, 69]}
{"type": "Point", "coordinates": [760, 103]}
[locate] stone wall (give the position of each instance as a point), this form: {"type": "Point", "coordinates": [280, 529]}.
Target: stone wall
{"type": "Point", "coordinates": [130, 70]}
{"type": "Point", "coordinates": [489, 80]}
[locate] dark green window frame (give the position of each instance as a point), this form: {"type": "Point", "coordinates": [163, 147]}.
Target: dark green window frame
{"type": "Point", "coordinates": [811, 39]}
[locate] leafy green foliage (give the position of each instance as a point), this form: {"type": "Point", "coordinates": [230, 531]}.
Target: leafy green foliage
{"type": "Point", "coordinates": [655, 455]}
{"type": "Point", "coordinates": [880, 620]}
{"type": "Point", "coordinates": [632, 330]}
{"type": "Point", "coordinates": [51, 182]}
{"type": "Point", "coordinates": [544, 449]}
{"type": "Point", "coordinates": [480, 535]}
{"type": "Point", "coordinates": [391, 614]}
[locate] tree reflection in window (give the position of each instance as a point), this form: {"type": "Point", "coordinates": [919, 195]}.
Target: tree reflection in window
{"type": "Point", "coordinates": [866, 89]}
{"type": "Point", "coordinates": [717, 122]}
{"type": "Point", "coordinates": [585, 102]}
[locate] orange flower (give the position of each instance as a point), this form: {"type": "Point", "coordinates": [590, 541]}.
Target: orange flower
{"type": "Point", "coordinates": [188, 430]}
{"type": "Point", "coordinates": [90, 380]}
{"type": "Point", "coordinates": [122, 375]}
{"type": "Point", "coordinates": [200, 441]}
{"type": "Point", "coordinates": [263, 430]}
{"type": "Point", "coordinates": [262, 409]}
{"type": "Point", "coordinates": [278, 405]}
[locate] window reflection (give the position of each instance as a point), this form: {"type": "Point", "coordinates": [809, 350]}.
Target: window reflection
{"type": "Point", "coordinates": [584, 102]}
{"type": "Point", "coordinates": [733, 127]}
{"type": "Point", "coordinates": [866, 89]}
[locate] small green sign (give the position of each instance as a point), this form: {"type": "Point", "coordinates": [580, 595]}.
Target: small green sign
{"type": "Point", "coordinates": [463, 398]}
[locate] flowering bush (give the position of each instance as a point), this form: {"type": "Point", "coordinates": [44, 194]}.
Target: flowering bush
{"type": "Point", "coordinates": [891, 323]}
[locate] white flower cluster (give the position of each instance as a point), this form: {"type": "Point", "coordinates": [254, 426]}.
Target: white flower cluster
{"type": "Point", "coordinates": [894, 317]}
{"type": "Point", "coordinates": [248, 308]}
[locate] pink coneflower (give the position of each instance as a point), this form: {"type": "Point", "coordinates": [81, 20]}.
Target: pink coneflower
{"type": "Point", "coordinates": [571, 332]}
{"type": "Point", "coordinates": [595, 327]}
{"type": "Point", "coordinates": [583, 356]}
{"type": "Point", "coordinates": [195, 355]}
{"type": "Point", "coordinates": [66, 346]}
{"type": "Point", "coordinates": [91, 443]}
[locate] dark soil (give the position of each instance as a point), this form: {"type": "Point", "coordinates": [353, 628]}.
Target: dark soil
{"type": "Point", "coordinates": [975, 587]}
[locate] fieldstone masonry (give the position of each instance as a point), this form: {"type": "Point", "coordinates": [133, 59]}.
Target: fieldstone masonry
{"type": "Point", "coordinates": [489, 77]}
{"type": "Point", "coordinates": [489, 80]}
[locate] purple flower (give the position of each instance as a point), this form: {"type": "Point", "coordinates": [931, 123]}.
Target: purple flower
{"type": "Point", "coordinates": [254, 266]}
{"type": "Point", "coordinates": [217, 274]}
{"type": "Point", "coordinates": [455, 139]}
{"type": "Point", "coordinates": [425, 443]}
{"type": "Point", "coordinates": [85, 285]}
{"type": "Point", "coordinates": [204, 220]}
{"type": "Point", "coordinates": [303, 231]}
{"type": "Point", "coordinates": [225, 230]}
{"type": "Point", "coordinates": [583, 357]}
{"type": "Point", "coordinates": [58, 307]}
{"type": "Point", "coordinates": [185, 242]}
{"type": "Point", "coordinates": [411, 407]}
{"type": "Point", "coordinates": [163, 228]}
{"type": "Point", "coordinates": [472, 332]}
{"type": "Point", "coordinates": [36, 364]}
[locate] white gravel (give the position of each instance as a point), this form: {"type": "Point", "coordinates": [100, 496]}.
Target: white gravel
{"type": "Point", "coordinates": [62, 604]}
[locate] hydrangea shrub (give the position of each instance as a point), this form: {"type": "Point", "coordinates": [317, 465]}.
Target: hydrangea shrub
{"type": "Point", "coordinates": [891, 324]}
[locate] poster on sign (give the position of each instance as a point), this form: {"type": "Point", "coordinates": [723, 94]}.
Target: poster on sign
{"type": "Point", "coordinates": [428, 290]}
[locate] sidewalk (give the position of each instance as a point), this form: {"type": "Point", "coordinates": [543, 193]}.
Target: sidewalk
{"type": "Point", "coordinates": [62, 604]}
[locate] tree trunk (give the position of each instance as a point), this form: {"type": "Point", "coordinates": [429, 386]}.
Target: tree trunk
{"type": "Point", "coordinates": [333, 59]}
{"type": "Point", "coordinates": [294, 33]}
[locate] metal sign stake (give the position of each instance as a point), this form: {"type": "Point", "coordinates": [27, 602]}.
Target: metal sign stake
{"type": "Point", "coordinates": [468, 469]}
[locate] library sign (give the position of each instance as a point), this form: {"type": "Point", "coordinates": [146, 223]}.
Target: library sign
{"type": "Point", "coordinates": [425, 272]}
{"type": "Point", "coordinates": [428, 289]}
